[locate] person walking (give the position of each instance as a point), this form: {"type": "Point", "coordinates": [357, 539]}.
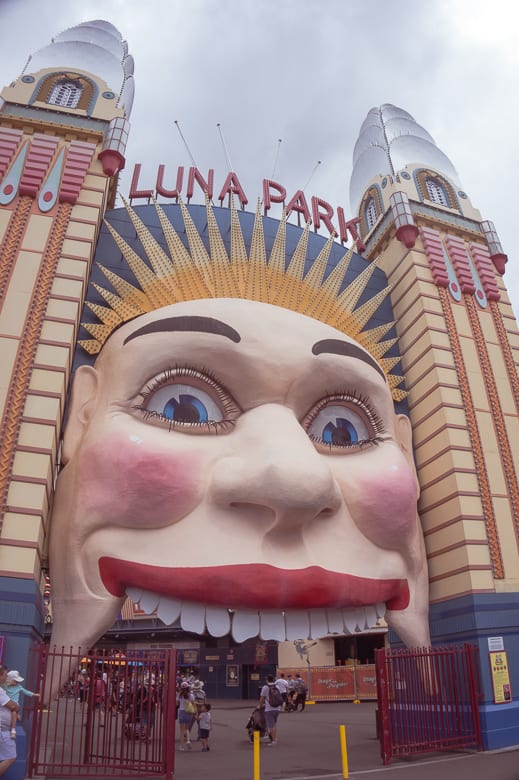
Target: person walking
{"type": "Point", "coordinates": [205, 724]}
{"type": "Point", "coordinates": [282, 684]}
{"type": "Point", "coordinates": [100, 696]}
{"type": "Point", "coordinates": [197, 689]}
{"type": "Point", "coordinates": [271, 701]}
{"type": "Point", "coordinates": [8, 714]}
{"type": "Point", "coordinates": [186, 714]}
{"type": "Point", "coordinates": [301, 691]}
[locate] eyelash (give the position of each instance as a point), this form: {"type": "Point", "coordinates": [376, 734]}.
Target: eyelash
{"type": "Point", "coordinates": [353, 397]}
{"type": "Point", "coordinates": [356, 399]}
{"type": "Point", "coordinates": [205, 380]}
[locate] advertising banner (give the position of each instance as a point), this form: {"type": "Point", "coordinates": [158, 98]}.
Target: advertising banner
{"type": "Point", "coordinates": [500, 677]}
{"type": "Point", "coordinates": [338, 683]}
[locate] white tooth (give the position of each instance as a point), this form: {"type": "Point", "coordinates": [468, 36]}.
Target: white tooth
{"type": "Point", "coordinates": [297, 624]}
{"type": "Point", "coordinates": [380, 609]}
{"type": "Point", "coordinates": [360, 614]}
{"type": "Point", "coordinates": [149, 601]}
{"type": "Point", "coordinates": [169, 610]}
{"type": "Point", "coordinates": [371, 617]}
{"type": "Point", "coordinates": [245, 624]}
{"type": "Point", "coordinates": [318, 623]}
{"type": "Point", "coordinates": [353, 619]}
{"type": "Point", "coordinates": [192, 618]}
{"type": "Point", "coordinates": [134, 593]}
{"type": "Point", "coordinates": [335, 621]}
{"type": "Point", "coordinates": [217, 620]}
{"type": "Point", "coordinates": [272, 625]}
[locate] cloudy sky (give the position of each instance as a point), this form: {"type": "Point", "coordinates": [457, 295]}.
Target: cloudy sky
{"type": "Point", "coordinates": [306, 72]}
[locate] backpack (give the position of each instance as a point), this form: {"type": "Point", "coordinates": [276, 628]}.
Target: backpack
{"type": "Point", "coordinates": [275, 697]}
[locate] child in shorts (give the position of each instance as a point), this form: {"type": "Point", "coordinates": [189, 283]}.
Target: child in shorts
{"type": "Point", "coordinates": [205, 723]}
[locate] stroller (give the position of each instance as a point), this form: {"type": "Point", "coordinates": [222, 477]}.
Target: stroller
{"type": "Point", "coordinates": [256, 722]}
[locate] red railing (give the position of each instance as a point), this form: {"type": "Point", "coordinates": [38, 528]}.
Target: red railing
{"type": "Point", "coordinates": [103, 714]}
{"type": "Point", "coordinates": [428, 700]}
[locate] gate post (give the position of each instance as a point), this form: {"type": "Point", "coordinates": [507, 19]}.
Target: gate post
{"type": "Point", "coordinates": [40, 651]}
{"type": "Point", "coordinates": [171, 713]}
{"type": "Point", "coordinates": [471, 652]}
{"type": "Point", "coordinates": [384, 725]}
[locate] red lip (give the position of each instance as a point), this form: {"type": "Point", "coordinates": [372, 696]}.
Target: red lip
{"type": "Point", "coordinates": [255, 586]}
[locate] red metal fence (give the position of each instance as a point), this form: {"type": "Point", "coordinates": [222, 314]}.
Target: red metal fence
{"type": "Point", "coordinates": [104, 715]}
{"type": "Point", "coordinates": [428, 700]}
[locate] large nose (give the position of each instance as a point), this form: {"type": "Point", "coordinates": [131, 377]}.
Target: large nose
{"type": "Point", "coordinates": [274, 472]}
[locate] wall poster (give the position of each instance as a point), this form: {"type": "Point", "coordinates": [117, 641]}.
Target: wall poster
{"type": "Point", "coordinates": [500, 677]}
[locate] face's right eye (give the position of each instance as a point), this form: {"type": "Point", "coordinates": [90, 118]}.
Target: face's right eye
{"type": "Point", "coordinates": [188, 400]}
{"type": "Point", "coordinates": [184, 404]}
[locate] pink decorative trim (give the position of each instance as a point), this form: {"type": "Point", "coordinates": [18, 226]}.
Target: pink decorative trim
{"type": "Point", "coordinates": [78, 161]}
{"type": "Point", "coordinates": [460, 260]}
{"type": "Point", "coordinates": [407, 235]}
{"type": "Point", "coordinates": [483, 263]}
{"type": "Point", "coordinates": [434, 253]}
{"type": "Point", "coordinates": [500, 260]}
{"type": "Point", "coordinates": [39, 157]}
{"type": "Point", "coordinates": [9, 143]}
{"type": "Point", "coordinates": [113, 161]}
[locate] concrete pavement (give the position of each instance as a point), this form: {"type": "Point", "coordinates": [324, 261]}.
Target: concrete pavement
{"type": "Point", "coordinates": [309, 748]}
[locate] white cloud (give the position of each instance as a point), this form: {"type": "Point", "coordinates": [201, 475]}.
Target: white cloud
{"type": "Point", "coordinates": [307, 71]}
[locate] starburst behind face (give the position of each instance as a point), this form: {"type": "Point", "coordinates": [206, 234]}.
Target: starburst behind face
{"type": "Point", "coordinates": [196, 275]}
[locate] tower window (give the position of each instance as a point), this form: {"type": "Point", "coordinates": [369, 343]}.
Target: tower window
{"type": "Point", "coordinates": [371, 213]}
{"type": "Point", "coordinates": [65, 93]}
{"type": "Point", "coordinates": [436, 192]}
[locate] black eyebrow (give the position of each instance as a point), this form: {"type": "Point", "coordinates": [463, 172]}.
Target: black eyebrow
{"type": "Point", "coordinates": [186, 324]}
{"type": "Point", "coordinates": [338, 347]}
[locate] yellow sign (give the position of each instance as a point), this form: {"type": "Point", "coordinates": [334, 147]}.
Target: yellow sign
{"type": "Point", "coordinates": [500, 677]}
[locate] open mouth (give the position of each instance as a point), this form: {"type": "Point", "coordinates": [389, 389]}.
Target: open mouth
{"type": "Point", "coordinates": [249, 600]}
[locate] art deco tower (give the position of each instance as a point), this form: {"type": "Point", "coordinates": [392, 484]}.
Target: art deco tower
{"type": "Point", "coordinates": [63, 131]}
{"type": "Point", "coordinates": [459, 343]}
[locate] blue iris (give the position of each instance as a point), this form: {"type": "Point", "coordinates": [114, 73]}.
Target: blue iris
{"type": "Point", "coordinates": [340, 432]}
{"type": "Point", "coordinates": [187, 409]}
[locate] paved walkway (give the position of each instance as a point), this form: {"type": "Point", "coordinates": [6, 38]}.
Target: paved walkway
{"type": "Point", "coordinates": [309, 749]}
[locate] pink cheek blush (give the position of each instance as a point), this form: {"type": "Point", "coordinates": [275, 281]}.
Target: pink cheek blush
{"type": "Point", "coordinates": [127, 484]}
{"type": "Point", "coordinates": [384, 507]}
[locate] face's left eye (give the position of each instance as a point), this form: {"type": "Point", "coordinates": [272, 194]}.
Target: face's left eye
{"type": "Point", "coordinates": [342, 422]}
{"type": "Point", "coordinates": [339, 426]}
{"type": "Point", "coordinates": [185, 404]}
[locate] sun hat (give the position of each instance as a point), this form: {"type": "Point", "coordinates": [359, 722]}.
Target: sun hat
{"type": "Point", "coordinates": [14, 675]}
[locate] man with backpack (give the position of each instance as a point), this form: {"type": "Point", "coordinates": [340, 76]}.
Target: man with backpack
{"type": "Point", "coordinates": [301, 691]}
{"type": "Point", "coordinates": [271, 701]}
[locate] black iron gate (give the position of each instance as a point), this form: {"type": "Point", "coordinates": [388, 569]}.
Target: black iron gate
{"type": "Point", "coordinates": [104, 715]}
{"type": "Point", "coordinates": [428, 700]}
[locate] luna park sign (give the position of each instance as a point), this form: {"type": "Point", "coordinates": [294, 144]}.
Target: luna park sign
{"type": "Point", "coordinates": [314, 210]}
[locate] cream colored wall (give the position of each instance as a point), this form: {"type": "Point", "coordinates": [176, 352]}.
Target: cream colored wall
{"type": "Point", "coordinates": [451, 509]}
{"type": "Point", "coordinates": [24, 531]}
{"type": "Point", "coordinates": [408, 186]}
{"type": "Point", "coordinates": [20, 92]}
